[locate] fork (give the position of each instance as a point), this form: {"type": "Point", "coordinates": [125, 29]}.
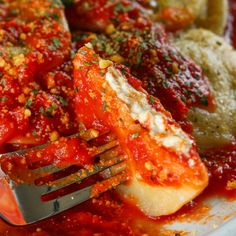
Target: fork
{"type": "Point", "coordinates": [24, 203]}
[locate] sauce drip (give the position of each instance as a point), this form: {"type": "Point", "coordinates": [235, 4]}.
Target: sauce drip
{"type": "Point", "coordinates": [50, 96]}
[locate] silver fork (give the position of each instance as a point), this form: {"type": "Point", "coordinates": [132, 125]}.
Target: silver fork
{"type": "Point", "coordinates": [22, 203]}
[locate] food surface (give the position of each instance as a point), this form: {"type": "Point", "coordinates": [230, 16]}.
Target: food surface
{"type": "Point", "coordinates": [210, 14]}
{"type": "Point", "coordinates": [217, 59]}
{"type": "Point", "coordinates": [35, 45]}
{"type": "Point", "coordinates": [142, 72]}
{"type": "Point", "coordinates": [161, 158]}
{"type": "Point", "coordinates": [143, 46]}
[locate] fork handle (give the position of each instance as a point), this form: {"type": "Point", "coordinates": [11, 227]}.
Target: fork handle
{"type": "Point", "coordinates": [8, 205]}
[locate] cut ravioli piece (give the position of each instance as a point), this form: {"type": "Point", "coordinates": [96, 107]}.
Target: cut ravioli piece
{"type": "Point", "coordinates": [165, 169]}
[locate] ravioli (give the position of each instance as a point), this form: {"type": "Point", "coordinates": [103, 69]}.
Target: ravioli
{"type": "Point", "coordinates": [217, 58]}
{"type": "Point", "coordinates": [210, 14]}
{"type": "Point", "coordinates": [164, 167]}
{"type": "Point", "coordinates": [198, 7]}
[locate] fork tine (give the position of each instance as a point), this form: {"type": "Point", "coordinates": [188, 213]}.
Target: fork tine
{"type": "Point", "coordinates": [56, 206]}
{"type": "Point", "coordinates": [82, 195]}
{"type": "Point", "coordinates": [50, 189]}
{"type": "Point", "coordinates": [107, 155]}
{"type": "Point", "coordinates": [29, 200]}
{"type": "Point", "coordinates": [104, 148]}
{"type": "Point", "coordinates": [87, 135]}
{"type": "Point", "coordinates": [108, 184]}
{"type": "Point", "coordinates": [82, 174]}
{"type": "Point", "coordinates": [50, 169]}
{"type": "Point", "coordinates": [45, 174]}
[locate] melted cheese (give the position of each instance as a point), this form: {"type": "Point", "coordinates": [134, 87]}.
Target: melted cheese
{"type": "Point", "coordinates": [170, 136]}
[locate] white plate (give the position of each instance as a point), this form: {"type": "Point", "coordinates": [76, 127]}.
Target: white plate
{"type": "Point", "coordinates": [220, 221]}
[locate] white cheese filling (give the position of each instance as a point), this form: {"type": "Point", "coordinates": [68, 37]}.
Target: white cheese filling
{"type": "Point", "coordinates": [169, 136]}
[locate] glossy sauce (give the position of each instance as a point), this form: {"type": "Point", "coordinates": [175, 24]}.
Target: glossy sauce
{"type": "Point", "coordinates": [144, 134]}
{"type": "Point", "coordinates": [144, 47]}
{"type": "Point", "coordinates": [109, 214]}
{"type": "Point", "coordinates": [231, 27]}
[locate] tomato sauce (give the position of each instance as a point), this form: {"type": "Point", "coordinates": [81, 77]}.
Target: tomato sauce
{"type": "Point", "coordinates": [131, 38]}
{"type": "Point", "coordinates": [37, 105]}
{"type": "Point", "coordinates": [110, 113]}
{"type": "Point", "coordinates": [221, 164]}
{"type": "Point", "coordinates": [231, 27]}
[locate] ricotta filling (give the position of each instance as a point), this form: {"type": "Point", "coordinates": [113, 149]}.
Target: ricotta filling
{"type": "Point", "coordinates": [165, 134]}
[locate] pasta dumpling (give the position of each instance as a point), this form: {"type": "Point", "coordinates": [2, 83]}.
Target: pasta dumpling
{"type": "Point", "coordinates": [210, 14]}
{"type": "Point", "coordinates": [217, 58]}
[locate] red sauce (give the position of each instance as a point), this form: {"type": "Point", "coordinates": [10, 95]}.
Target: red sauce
{"type": "Point", "coordinates": [231, 27]}
{"type": "Point", "coordinates": [36, 105]}
{"type": "Point", "coordinates": [63, 152]}
{"type": "Point", "coordinates": [175, 18]}
{"type": "Point", "coordinates": [145, 49]}
{"type": "Point", "coordinates": [96, 103]}
{"type": "Point", "coordinates": [35, 78]}
{"type": "Point", "coordinates": [221, 164]}
{"type": "Point", "coordinates": [109, 215]}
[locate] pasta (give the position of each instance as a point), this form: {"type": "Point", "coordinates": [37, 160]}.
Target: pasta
{"type": "Point", "coordinates": [217, 58]}
{"type": "Point", "coordinates": [210, 14]}
{"type": "Point", "coordinates": [154, 76]}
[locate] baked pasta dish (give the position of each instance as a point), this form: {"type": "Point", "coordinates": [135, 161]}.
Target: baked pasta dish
{"type": "Point", "coordinates": [158, 75]}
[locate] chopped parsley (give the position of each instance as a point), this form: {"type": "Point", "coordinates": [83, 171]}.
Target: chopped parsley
{"type": "Point", "coordinates": [166, 57]}
{"type": "Point", "coordinates": [55, 16]}
{"type": "Point", "coordinates": [109, 49]}
{"type": "Point", "coordinates": [55, 43]}
{"type": "Point", "coordinates": [121, 8]}
{"type": "Point", "coordinates": [204, 100]}
{"type": "Point", "coordinates": [3, 99]}
{"type": "Point", "coordinates": [35, 91]}
{"type": "Point", "coordinates": [34, 133]}
{"type": "Point", "coordinates": [29, 102]}
{"type": "Point", "coordinates": [102, 73]}
{"type": "Point", "coordinates": [139, 58]}
{"type": "Point", "coordinates": [169, 71]}
{"type": "Point", "coordinates": [134, 135]}
{"type": "Point", "coordinates": [63, 101]}
{"type": "Point", "coordinates": [41, 110]}
{"type": "Point", "coordinates": [3, 81]}
{"type": "Point", "coordinates": [76, 90]}
{"type": "Point", "coordinates": [52, 108]}
{"type": "Point", "coordinates": [14, 11]}
{"type": "Point", "coordinates": [183, 98]}
{"type": "Point", "coordinates": [151, 99]}
{"type": "Point", "coordinates": [48, 110]}
{"type": "Point", "coordinates": [68, 3]}
{"type": "Point", "coordinates": [165, 84]}
{"type": "Point", "coordinates": [104, 106]}
{"type": "Point", "coordinates": [79, 37]}
{"type": "Point", "coordinates": [86, 63]}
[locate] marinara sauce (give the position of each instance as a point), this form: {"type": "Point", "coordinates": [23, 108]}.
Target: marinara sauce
{"type": "Point", "coordinates": [49, 96]}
